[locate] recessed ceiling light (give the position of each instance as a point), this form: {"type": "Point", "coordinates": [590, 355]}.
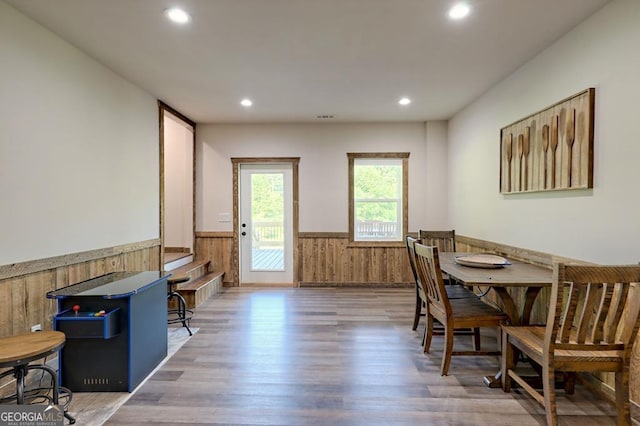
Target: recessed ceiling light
{"type": "Point", "coordinates": [459, 11]}
{"type": "Point", "coordinates": [404, 101]}
{"type": "Point", "coordinates": [177, 15]}
{"type": "Point", "coordinates": [246, 102]}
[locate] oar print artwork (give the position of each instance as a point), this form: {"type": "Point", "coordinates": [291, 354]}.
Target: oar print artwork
{"type": "Point", "coordinates": [551, 149]}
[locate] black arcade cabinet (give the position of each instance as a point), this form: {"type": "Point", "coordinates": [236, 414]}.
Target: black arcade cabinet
{"type": "Point", "coordinates": [116, 330]}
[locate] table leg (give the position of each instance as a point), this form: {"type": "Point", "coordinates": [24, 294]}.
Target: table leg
{"type": "Point", "coordinates": [508, 305]}
{"type": "Point", "coordinates": [530, 297]}
{"type": "Point", "coordinates": [509, 308]}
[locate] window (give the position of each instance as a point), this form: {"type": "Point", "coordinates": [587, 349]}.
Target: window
{"type": "Point", "coordinates": [377, 197]}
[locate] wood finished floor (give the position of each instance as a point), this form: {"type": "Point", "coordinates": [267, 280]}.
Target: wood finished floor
{"type": "Point", "coordinates": [324, 356]}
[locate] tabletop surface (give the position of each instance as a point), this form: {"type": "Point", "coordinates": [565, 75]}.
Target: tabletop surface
{"type": "Point", "coordinates": [514, 275]}
{"type": "Point", "coordinates": [29, 345]}
{"type": "Point", "coordinates": [113, 285]}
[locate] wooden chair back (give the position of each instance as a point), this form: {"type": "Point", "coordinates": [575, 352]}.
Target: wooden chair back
{"type": "Point", "coordinates": [594, 308]}
{"type": "Point", "coordinates": [412, 262]}
{"type": "Point", "coordinates": [430, 275]}
{"type": "Point", "coordinates": [593, 321]}
{"type": "Point", "coordinates": [444, 240]}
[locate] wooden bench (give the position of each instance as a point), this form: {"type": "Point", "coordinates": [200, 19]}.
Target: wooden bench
{"type": "Point", "coordinates": [196, 291]}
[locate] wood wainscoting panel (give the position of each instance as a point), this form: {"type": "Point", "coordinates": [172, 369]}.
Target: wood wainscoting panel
{"type": "Point", "coordinates": [327, 258]}
{"type": "Point", "coordinates": [217, 248]}
{"type": "Point", "coordinates": [23, 300]}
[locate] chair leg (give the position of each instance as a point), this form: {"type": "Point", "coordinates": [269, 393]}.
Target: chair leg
{"type": "Point", "coordinates": [506, 362]}
{"type": "Point", "coordinates": [569, 382]}
{"type": "Point", "coordinates": [55, 388]}
{"type": "Point", "coordinates": [549, 394]}
{"type": "Point", "coordinates": [416, 317]}
{"type": "Point", "coordinates": [448, 349]}
{"type": "Point", "coordinates": [476, 339]}
{"type": "Point", "coordinates": [428, 333]}
{"type": "Point", "coordinates": [622, 396]}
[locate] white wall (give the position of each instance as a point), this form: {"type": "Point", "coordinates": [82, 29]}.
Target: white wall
{"type": "Point", "coordinates": [600, 225]}
{"type": "Point", "coordinates": [178, 183]}
{"type": "Point", "coordinates": [78, 149]}
{"type": "Point", "coordinates": [323, 170]}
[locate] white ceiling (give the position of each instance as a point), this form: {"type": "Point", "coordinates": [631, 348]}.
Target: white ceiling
{"type": "Point", "coordinates": [298, 59]}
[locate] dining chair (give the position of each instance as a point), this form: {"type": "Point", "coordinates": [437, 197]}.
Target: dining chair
{"type": "Point", "coordinates": [454, 292]}
{"type": "Point", "coordinates": [591, 326]}
{"type": "Point", "coordinates": [451, 313]}
{"type": "Point", "coordinates": [444, 240]}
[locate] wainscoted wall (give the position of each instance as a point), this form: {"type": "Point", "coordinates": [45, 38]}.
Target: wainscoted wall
{"type": "Point", "coordinates": [217, 247]}
{"type": "Point", "coordinates": [327, 259]}
{"type": "Point", "coordinates": [23, 286]}
{"type": "Point", "coordinates": [541, 306]}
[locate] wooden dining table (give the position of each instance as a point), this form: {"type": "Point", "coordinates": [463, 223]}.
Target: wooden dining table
{"type": "Point", "coordinates": [517, 274]}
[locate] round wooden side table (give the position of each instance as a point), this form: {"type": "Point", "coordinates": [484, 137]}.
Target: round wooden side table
{"type": "Point", "coordinates": [16, 352]}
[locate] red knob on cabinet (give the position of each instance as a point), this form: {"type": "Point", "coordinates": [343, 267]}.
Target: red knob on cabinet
{"type": "Point", "coordinates": [76, 308]}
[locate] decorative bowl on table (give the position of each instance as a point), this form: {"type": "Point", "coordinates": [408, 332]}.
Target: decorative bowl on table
{"type": "Point", "coordinates": [482, 260]}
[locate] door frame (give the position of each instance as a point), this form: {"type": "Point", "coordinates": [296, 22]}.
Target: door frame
{"type": "Point", "coordinates": [162, 108]}
{"type": "Point", "coordinates": [236, 161]}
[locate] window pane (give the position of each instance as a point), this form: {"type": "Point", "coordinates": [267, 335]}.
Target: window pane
{"type": "Point", "coordinates": [369, 226]}
{"type": "Point", "coordinates": [382, 211]}
{"type": "Point", "coordinates": [377, 199]}
{"type": "Point", "coordinates": [267, 221]}
{"type": "Point", "coordinates": [375, 180]}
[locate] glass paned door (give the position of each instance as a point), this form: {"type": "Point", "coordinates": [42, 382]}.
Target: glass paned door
{"type": "Point", "coordinates": [266, 254]}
